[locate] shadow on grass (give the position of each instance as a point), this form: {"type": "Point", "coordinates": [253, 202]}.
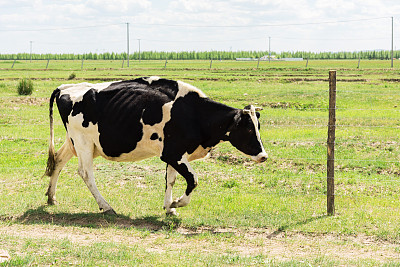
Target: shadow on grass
{"type": "Point", "coordinates": [153, 223]}
{"type": "Point", "coordinates": [94, 220]}
{"type": "Point", "coordinates": [283, 228]}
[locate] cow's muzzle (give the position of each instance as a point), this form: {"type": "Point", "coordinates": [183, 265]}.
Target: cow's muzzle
{"type": "Point", "coordinates": [260, 157]}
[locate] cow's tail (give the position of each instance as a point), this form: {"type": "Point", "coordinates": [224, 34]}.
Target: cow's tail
{"type": "Point", "coordinates": [51, 160]}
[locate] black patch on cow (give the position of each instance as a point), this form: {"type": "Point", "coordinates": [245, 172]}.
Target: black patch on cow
{"type": "Point", "coordinates": [154, 136]}
{"type": "Point", "coordinates": [64, 104]}
{"type": "Point", "coordinates": [168, 87]}
{"type": "Point", "coordinates": [87, 106]}
{"type": "Point", "coordinates": [152, 114]}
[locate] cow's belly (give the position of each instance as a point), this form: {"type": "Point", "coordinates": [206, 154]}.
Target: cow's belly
{"type": "Point", "coordinates": [147, 147]}
{"type": "Point", "coordinates": [139, 153]}
{"type": "Point", "coordinates": [199, 153]}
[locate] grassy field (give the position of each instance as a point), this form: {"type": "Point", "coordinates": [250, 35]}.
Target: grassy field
{"type": "Point", "coordinates": [241, 213]}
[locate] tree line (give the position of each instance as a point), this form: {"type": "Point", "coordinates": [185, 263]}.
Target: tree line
{"type": "Point", "coordinates": [204, 55]}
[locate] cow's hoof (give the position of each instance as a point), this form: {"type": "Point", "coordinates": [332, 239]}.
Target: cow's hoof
{"type": "Point", "coordinates": [172, 212]}
{"type": "Point", "coordinates": [52, 202]}
{"type": "Point", "coordinates": [110, 212]}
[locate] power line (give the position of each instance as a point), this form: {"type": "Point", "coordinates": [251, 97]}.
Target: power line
{"type": "Point", "coordinates": [259, 38]}
{"type": "Point", "coordinates": [62, 28]}
{"type": "Point", "coordinates": [333, 39]}
{"type": "Point", "coordinates": [196, 25]}
{"type": "Point", "coordinates": [257, 25]}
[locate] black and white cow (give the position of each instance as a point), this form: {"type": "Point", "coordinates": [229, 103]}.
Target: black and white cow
{"type": "Point", "coordinates": [142, 118]}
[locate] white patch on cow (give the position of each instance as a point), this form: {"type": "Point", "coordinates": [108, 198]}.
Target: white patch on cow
{"type": "Point", "coordinates": [88, 135]}
{"type": "Point", "coordinates": [76, 91]}
{"type": "Point", "coordinates": [171, 177]}
{"type": "Point", "coordinates": [151, 79]}
{"type": "Point", "coordinates": [254, 119]}
{"type": "Point", "coordinates": [185, 88]}
{"type": "Point", "coordinates": [184, 200]}
{"type": "Point", "coordinates": [199, 153]}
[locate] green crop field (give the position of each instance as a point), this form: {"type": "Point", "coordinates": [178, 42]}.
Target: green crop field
{"type": "Point", "coordinates": [242, 213]}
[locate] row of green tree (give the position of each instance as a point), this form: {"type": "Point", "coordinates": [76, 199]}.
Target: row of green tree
{"type": "Point", "coordinates": [205, 55]}
{"type": "Point", "coordinates": [374, 54]}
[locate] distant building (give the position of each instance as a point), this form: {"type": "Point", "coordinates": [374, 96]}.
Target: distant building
{"type": "Point", "coordinates": [273, 57]}
{"type": "Point", "coordinates": [292, 59]}
{"type": "Point", "coordinates": [264, 58]}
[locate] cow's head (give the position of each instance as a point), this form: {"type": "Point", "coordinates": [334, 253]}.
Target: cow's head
{"type": "Point", "coordinates": [244, 134]}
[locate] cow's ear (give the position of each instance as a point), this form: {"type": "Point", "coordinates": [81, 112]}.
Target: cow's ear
{"type": "Point", "coordinates": [235, 121]}
{"type": "Point", "coordinates": [246, 109]}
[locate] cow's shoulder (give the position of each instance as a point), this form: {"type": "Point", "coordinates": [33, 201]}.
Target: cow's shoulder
{"type": "Point", "coordinates": [150, 86]}
{"type": "Point", "coordinates": [185, 89]}
{"type": "Point", "coordinates": [174, 89]}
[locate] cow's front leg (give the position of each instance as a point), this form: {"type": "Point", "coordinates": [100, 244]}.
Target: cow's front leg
{"type": "Point", "coordinates": [184, 169]}
{"type": "Point", "coordinates": [170, 178]}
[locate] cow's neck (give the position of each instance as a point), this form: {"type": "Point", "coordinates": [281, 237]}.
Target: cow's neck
{"type": "Point", "coordinates": [216, 118]}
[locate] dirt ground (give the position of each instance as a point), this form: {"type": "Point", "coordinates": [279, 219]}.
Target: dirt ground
{"type": "Point", "coordinates": [281, 246]}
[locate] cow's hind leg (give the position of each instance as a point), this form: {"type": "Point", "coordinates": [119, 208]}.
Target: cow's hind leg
{"type": "Point", "coordinates": [170, 178]}
{"type": "Point", "coordinates": [85, 158]}
{"type": "Point", "coordinates": [63, 155]}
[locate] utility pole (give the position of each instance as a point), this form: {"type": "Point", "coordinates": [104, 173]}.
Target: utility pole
{"type": "Point", "coordinates": [140, 58]}
{"type": "Point", "coordinates": [127, 40]}
{"type": "Point", "coordinates": [392, 44]}
{"type": "Point", "coordinates": [31, 52]}
{"type": "Point", "coordinates": [269, 49]}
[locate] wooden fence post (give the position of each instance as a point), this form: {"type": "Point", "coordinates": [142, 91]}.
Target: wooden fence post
{"type": "Point", "coordinates": [13, 64]}
{"type": "Point", "coordinates": [82, 64]}
{"type": "Point", "coordinates": [48, 61]}
{"type": "Point", "coordinates": [330, 179]}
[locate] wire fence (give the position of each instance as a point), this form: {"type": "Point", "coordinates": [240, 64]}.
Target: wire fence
{"type": "Point", "coordinates": [211, 63]}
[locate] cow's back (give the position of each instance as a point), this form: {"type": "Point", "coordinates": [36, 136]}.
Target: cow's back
{"type": "Point", "coordinates": [124, 119]}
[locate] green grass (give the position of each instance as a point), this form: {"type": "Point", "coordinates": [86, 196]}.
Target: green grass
{"type": "Point", "coordinates": [241, 210]}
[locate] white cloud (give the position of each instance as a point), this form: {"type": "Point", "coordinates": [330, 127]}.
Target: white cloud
{"type": "Point", "coordinates": [118, 6]}
{"type": "Point", "coordinates": [193, 5]}
{"type": "Point", "coordinates": [47, 14]}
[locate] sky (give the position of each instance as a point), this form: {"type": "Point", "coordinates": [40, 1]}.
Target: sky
{"type": "Point", "coordinates": [76, 26]}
